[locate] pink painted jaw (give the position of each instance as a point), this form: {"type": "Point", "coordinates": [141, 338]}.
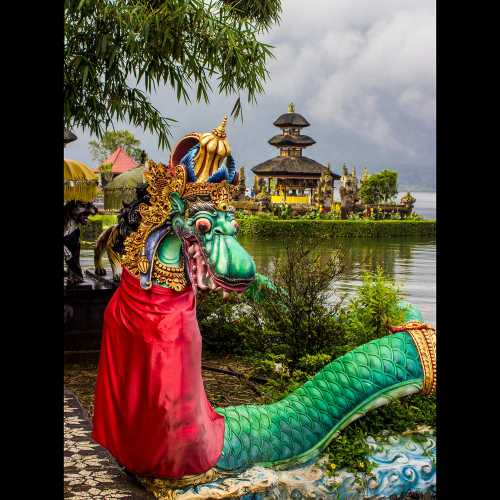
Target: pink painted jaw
{"type": "Point", "coordinates": [200, 274]}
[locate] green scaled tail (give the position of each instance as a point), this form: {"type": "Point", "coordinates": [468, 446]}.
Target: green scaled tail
{"type": "Point", "coordinates": [300, 426]}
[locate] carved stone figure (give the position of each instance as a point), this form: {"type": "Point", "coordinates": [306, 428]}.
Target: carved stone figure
{"type": "Point", "coordinates": [111, 239]}
{"type": "Point", "coordinates": [365, 175]}
{"type": "Point", "coordinates": [325, 191]}
{"type": "Point", "coordinates": [408, 201]}
{"type": "Point", "coordinates": [242, 187]}
{"type": "Point", "coordinates": [348, 192]}
{"type": "Point", "coordinates": [76, 213]}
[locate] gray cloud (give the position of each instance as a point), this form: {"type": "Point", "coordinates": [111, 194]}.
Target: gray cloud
{"type": "Point", "coordinates": [361, 71]}
{"type": "Point", "coordinates": [366, 66]}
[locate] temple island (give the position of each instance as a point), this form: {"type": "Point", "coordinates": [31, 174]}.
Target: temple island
{"type": "Point", "coordinates": [292, 177]}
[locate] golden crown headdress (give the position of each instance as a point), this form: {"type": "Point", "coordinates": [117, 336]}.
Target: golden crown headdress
{"type": "Point", "coordinates": [195, 170]}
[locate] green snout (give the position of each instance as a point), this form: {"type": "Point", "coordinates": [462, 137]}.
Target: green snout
{"type": "Point", "coordinates": [227, 259]}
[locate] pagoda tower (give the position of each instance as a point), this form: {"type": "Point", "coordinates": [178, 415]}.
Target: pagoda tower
{"type": "Point", "coordinates": [292, 177]}
{"type": "Point", "coordinates": [291, 142]}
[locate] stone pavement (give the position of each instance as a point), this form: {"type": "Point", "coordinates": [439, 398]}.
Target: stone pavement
{"type": "Point", "coordinates": [89, 470]}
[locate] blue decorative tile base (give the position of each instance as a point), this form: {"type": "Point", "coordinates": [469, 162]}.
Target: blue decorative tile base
{"type": "Point", "coordinates": [402, 464]}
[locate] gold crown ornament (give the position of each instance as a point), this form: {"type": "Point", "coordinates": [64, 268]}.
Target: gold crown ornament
{"type": "Point", "coordinates": [214, 148]}
{"type": "Point", "coordinates": [164, 180]}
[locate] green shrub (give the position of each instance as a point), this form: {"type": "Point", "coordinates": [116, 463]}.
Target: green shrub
{"type": "Point", "coordinates": [372, 310]}
{"type": "Point", "coordinates": [221, 327]}
{"type": "Point", "coordinates": [295, 317]}
{"type": "Point", "coordinates": [106, 219]}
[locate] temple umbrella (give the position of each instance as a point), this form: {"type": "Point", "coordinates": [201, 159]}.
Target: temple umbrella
{"type": "Point", "coordinates": [80, 183]}
{"type": "Point", "coordinates": [122, 188]}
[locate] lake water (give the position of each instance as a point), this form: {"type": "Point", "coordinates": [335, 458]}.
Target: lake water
{"type": "Point", "coordinates": [410, 261]}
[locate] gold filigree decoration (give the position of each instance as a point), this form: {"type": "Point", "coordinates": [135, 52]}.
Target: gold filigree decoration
{"type": "Point", "coordinates": [220, 193]}
{"type": "Point", "coordinates": [164, 489]}
{"type": "Point", "coordinates": [162, 182]}
{"type": "Point", "coordinates": [424, 337]}
{"type": "Point", "coordinates": [173, 277]}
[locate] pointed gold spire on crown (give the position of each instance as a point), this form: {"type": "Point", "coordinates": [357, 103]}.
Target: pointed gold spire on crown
{"type": "Point", "coordinates": [214, 148]}
{"type": "Point", "coordinates": [291, 108]}
{"type": "Point", "coordinates": [220, 131]}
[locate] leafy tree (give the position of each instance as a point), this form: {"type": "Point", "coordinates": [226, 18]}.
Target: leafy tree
{"type": "Point", "coordinates": [110, 141]}
{"type": "Point", "coordinates": [111, 47]}
{"type": "Point", "coordinates": [379, 187]}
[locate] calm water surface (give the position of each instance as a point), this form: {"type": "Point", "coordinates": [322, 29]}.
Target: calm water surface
{"type": "Point", "coordinates": [411, 262]}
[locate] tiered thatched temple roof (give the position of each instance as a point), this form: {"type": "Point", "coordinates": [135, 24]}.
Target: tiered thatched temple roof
{"type": "Point", "coordinates": [291, 175]}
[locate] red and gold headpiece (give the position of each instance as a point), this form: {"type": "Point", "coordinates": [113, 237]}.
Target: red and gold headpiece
{"type": "Point", "coordinates": [195, 170]}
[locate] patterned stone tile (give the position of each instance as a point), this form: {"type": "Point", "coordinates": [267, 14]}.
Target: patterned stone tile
{"type": "Point", "coordinates": [89, 470]}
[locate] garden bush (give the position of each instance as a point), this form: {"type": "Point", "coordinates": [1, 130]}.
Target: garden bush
{"type": "Point", "coordinates": [106, 219]}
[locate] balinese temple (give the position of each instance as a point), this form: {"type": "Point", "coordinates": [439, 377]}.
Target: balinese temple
{"type": "Point", "coordinates": [120, 162]}
{"type": "Point", "coordinates": [291, 177]}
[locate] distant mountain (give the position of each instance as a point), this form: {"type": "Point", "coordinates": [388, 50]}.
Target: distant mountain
{"type": "Point", "coordinates": [416, 177]}
{"type": "Point", "coordinates": [410, 177]}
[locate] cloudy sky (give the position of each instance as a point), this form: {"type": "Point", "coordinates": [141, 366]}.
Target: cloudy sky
{"type": "Point", "coordinates": [361, 71]}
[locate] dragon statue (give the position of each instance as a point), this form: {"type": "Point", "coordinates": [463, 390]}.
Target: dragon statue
{"type": "Point", "coordinates": [151, 411]}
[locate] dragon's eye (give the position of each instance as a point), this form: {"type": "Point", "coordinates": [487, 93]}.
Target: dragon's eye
{"type": "Point", "coordinates": [203, 225]}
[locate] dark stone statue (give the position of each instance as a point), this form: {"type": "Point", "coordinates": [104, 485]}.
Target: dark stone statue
{"type": "Point", "coordinates": [348, 192]}
{"type": "Point", "coordinates": [408, 201]}
{"type": "Point", "coordinates": [76, 213]}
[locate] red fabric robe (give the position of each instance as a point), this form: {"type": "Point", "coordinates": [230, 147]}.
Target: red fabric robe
{"type": "Point", "coordinates": [151, 411]}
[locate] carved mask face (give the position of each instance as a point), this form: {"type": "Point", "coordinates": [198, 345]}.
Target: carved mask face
{"type": "Point", "coordinates": [214, 256]}
{"type": "Point", "coordinates": [81, 212]}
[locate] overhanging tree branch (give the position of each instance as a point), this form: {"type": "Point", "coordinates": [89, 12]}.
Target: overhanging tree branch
{"type": "Point", "coordinates": [183, 44]}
